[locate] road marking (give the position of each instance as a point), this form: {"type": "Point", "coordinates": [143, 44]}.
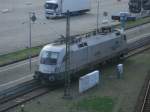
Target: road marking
{"type": "Point", "coordinates": [5, 10]}
{"type": "Point", "coordinates": [15, 81]}
{"type": "Point", "coordinates": [18, 65]}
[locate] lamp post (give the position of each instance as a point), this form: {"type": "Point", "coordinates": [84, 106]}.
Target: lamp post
{"type": "Point", "coordinates": [32, 19]}
{"type": "Point", "coordinates": [141, 8]}
{"type": "Point", "coordinates": [97, 26]}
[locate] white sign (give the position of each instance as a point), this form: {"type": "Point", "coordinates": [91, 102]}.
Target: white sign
{"type": "Point", "coordinates": [88, 81]}
{"type": "Point", "coordinates": [120, 68]}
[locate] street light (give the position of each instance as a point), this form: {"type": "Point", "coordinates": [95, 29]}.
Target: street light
{"type": "Point", "coordinates": [141, 13]}
{"type": "Point", "coordinates": [97, 16]}
{"type": "Point", "coordinates": [32, 19]}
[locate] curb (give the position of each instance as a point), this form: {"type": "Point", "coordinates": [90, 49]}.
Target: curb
{"type": "Point", "coordinates": [5, 64]}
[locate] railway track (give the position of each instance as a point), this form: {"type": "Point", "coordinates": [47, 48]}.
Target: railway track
{"type": "Point", "coordinates": [146, 102]}
{"type": "Point", "coordinates": [19, 94]}
{"type": "Point", "coordinates": [24, 92]}
{"type": "Point", "coordinates": [143, 103]}
{"type": "Point", "coordinates": [138, 46]}
{"type": "Point", "coordinates": [18, 90]}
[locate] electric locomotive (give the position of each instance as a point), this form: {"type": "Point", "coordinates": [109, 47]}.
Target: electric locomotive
{"type": "Point", "coordinates": [85, 51]}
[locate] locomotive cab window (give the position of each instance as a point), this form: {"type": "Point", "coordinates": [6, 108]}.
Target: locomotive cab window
{"type": "Point", "coordinates": [49, 58]}
{"type": "Point", "coordinates": [51, 6]}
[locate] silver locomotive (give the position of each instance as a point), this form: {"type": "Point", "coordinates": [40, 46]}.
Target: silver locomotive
{"type": "Point", "coordinates": [85, 51]}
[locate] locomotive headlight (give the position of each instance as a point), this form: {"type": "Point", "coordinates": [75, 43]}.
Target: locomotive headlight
{"type": "Point", "coordinates": [51, 78]}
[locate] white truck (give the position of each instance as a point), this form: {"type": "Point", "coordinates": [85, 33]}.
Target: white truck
{"type": "Point", "coordinates": [58, 8]}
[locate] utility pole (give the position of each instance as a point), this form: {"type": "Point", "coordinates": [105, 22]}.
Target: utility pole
{"type": "Point", "coordinates": [141, 13]}
{"type": "Point", "coordinates": [67, 60]}
{"type": "Point", "coordinates": [97, 16]}
{"type": "Point", "coordinates": [32, 18]}
{"type": "Point", "coordinates": [123, 19]}
{"type": "Point", "coordinates": [61, 8]}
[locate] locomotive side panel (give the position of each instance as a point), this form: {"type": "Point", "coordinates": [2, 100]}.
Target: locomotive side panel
{"type": "Point", "coordinates": [97, 53]}
{"type": "Point", "coordinates": [107, 49]}
{"type": "Point", "coordinates": [85, 53]}
{"type": "Point", "coordinates": [79, 58]}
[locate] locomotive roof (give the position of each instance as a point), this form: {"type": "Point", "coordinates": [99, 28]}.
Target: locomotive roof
{"type": "Point", "coordinates": [97, 39]}
{"type": "Point", "coordinates": [100, 38]}
{"type": "Point", "coordinates": [52, 1]}
{"type": "Point", "coordinates": [93, 40]}
{"type": "Point", "coordinates": [51, 47]}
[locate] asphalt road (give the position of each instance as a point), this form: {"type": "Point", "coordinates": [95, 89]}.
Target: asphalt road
{"type": "Point", "coordinates": [14, 18]}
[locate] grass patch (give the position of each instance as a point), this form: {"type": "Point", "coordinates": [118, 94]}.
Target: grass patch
{"type": "Point", "coordinates": [97, 104]}
{"type": "Point", "coordinates": [138, 22]}
{"type": "Point", "coordinates": [19, 55]}
{"type": "Point", "coordinates": [24, 54]}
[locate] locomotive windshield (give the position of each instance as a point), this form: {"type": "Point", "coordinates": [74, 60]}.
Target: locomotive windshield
{"type": "Point", "coordinates": [51, 6]}
{"type": "Point", "coordinates": [49, 58]}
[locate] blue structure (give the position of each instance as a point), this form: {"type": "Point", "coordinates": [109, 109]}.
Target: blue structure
{"type": "Point", "coordinates": [123, 17]}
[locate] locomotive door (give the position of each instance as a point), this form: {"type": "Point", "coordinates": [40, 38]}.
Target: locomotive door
{"type": "Point", "coordinates": [80, 57]}
{"type": "Point", "coordinates": [83, 55]}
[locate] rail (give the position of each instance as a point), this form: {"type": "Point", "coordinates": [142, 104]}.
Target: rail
{"type": "Point", "coordinates": [146, 102]}
{"type": "Point", "coordinates": [18, 90]}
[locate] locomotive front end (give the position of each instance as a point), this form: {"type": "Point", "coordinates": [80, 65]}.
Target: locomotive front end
{"type": "Point", "coordinates": [49, 64]}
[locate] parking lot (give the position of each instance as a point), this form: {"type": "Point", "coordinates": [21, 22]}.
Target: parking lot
{"type": "Point", "coordinates": [14, 22]}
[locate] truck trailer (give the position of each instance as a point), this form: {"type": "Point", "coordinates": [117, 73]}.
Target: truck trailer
{"type": "Point", "coordinates": [58, 8]}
